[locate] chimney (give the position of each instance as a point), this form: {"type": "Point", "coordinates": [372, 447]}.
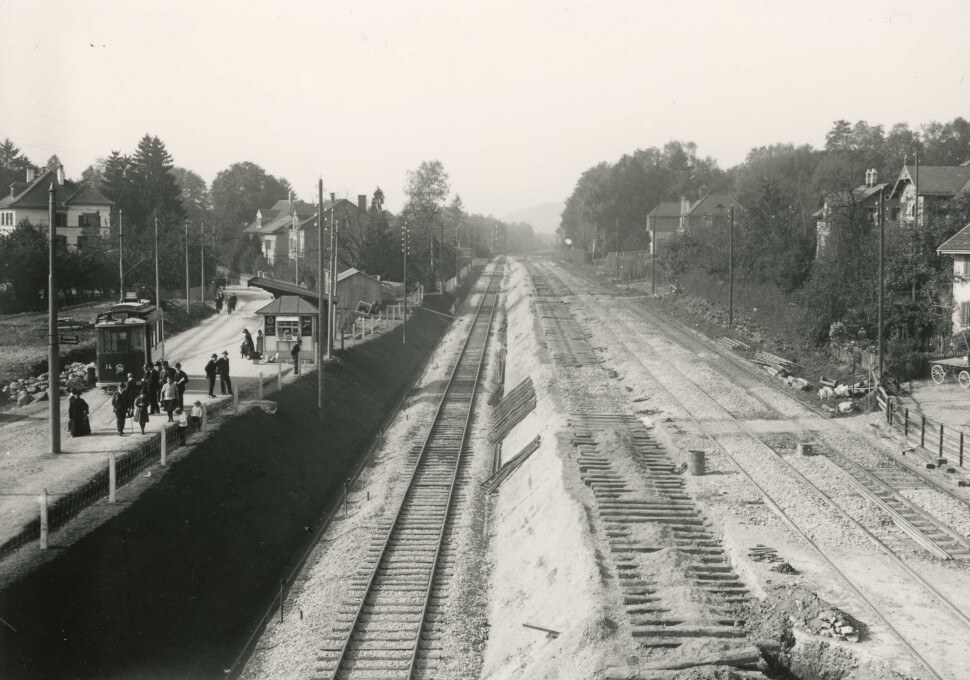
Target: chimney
{"type": "Point", "coordinates": [60, 175]}
{"type": "Point", "coordinates": [30, 175]}
{"type": "Point", "coordinates": [289, 196]}
{"type": "Point", "coordinates": [362, 202]}
{"type": "Point", "coordinates": [875, 177]}
{"type": "Point", "coordinates": [868, 178]}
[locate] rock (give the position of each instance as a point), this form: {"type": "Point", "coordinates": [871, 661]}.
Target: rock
{"type": "Point", "coordinates": [826, 393]}
{"type": "Point", "coordinates": [842, 390]}
{"type": "Point", "coordinates": [24, 398]}
{"type": "Point", "coordinates": [846, 406]}
{"type": "Point", "coordinates": [42, 397]}
{"type": "Point", "coordinates": [802, 384]}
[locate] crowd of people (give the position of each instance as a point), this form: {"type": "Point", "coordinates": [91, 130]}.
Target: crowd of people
{"type": "Point", "coordinates": [228, 300]}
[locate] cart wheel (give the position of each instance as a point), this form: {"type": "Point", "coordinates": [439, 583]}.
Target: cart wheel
{"type": "Point", "coordinates": [964, 379]}
{"type": "Point", "coordinates": [938, 374]}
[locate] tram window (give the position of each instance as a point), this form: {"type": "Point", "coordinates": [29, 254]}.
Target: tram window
{"type": "Point", "coordinates": [137, 340]}
{"type": "Point", "coordinates": [114, 341]}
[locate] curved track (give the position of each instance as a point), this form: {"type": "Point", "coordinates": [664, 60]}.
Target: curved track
{"type": "Point", "coordinates": [384, 630]}
{"type": "Point", "coordinates": [621, 331]}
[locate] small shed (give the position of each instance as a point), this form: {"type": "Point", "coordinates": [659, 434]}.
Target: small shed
{"type": "Point", "coordinates": [354, 287]}
{"type": "Point", "coordinates": [285, 320]}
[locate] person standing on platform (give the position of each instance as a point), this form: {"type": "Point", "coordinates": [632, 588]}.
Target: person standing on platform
{"type": "Point", "coordinates": [170, 397]}
{"type": "Point", "coordinates": [151, 380]}
{"type": "Point", "coordinates": [78, 415]}
{"type": "Point", "coordinates": [295, 353]}
{"type": "Point", "coordinates": [223, 367]}
{"type": "Point", "coordinates": [119, 404]}
{"type": "Point", "coordinates": [211, 369]}
{"type": "Point", "coordinates": [182, 382]}
{"type": "Point", "coordinates": [259, 342]}
{"type": "Point", "coordinates": [160, 381]}
{"type": "Point", "coordinates": [142, 406]}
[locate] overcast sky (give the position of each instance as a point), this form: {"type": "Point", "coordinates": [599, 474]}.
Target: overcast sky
{"type": "Point", "coordinates": [515, 98]}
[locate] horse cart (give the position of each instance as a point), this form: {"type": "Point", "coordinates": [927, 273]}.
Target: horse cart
{"type": "Point", "coordinates": [955, 367]}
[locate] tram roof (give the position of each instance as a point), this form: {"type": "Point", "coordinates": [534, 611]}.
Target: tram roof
{"type": "Point", "coordinates": [128, 313]}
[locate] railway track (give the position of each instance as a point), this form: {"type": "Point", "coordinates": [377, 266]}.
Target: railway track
{"type": "Point", "coordinates": [923, 528]}
{"type": "Point", "coordinates": [388, 626]}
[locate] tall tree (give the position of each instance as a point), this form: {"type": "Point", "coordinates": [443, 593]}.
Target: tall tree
{"type": "Point", "coordinates": [53, 163]}
{"type": "Point", "coordinates": [195, 195]}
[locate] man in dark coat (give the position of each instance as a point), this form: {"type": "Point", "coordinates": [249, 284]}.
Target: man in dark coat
{"type": "Point", "coordinates": [78, 414]}
{"type": "Point", "coordinates": [222, 365]}
{"type": "Point", "coordinates": [182, 382]}
{"type": "Point", "coordinates": [154, 387]}
{"type": "Point", "coordinates": [210, 375]}
{"type": "Point", "coordinates": [131, 391]}
{"type": "Point", "coordinates": [295, 353]}
{"type": "Point", "coordinates": [119, 404]}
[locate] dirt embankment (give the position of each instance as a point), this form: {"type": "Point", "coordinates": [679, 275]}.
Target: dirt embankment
{"type": "Point", "coordinates": [172, 587]}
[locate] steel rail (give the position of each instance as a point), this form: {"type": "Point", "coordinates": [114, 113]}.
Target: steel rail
{"type": "Point", "coordinates": [790, 522]}
{"type": "Point", "coordinates": [340, 659]}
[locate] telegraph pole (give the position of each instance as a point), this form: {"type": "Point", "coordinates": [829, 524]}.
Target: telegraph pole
{"type": "Point", "coordinates": [457, 251]}
{"type": "Point", "coordinates": [653, 259]}
{"type": "Point", "coordinates": [121, 255]}
{"type": "Point", "coordinates": [404, 240]}
{"type": "Point", "coordinates": [188, 303]}
{"type": "Point", "coordinates": [731, 275]}
{"type": "Point", "coordinates": [158, 293]}
{"type": "Point", "coordinates": [441, 254]}
{"type": "Point", "coordinates": [333, 276]}
{"type": "Point", "coordinates": [882, 244]}
{"type": "Point", "coordinates": [915, 217]}
{"type": "Point", "coordinates": [53, 340]}
{"type": "Point", "coordinates": [320, 322]}
{"type": "Point", "coordinates": [296, 248]}
{"type": "Point", "coordinates": [202, 258]}
{"type": "Point", "coordinates": [617, 248]}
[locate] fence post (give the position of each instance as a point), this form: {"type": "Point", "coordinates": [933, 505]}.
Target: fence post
{"type": "Point", "coordinates": [44, 526]}
{"type": "Point", "coordinates": [380, 438]}
{"type": "Point", "coordinates": [906, 423]}
{"type": "Point", "coordinates": [112, 476]}
{"type": "Point", "coordinates": [961, 448]}
{"type": "Point", "coordinates": [279, 375]}
{"type": "Point", "coordinates": [205, 419]}
{"type": "Point", "coordinates": [164, 442]}
{"type": "Point", "coordinates": [235, 399]}
{"type": "Point", "coordinates": [941, 440]}
{"type": "Point", "coordinates": [922, 430]}
{"type": "Point", "coordinates": [343, 332]}
{"type": "Point", "coordinates": [259, 390]}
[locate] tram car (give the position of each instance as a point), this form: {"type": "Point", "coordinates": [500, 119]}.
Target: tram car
{"type": "Point", "coordinates": [126, 336]}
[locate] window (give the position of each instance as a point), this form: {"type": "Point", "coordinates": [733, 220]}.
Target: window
{"type": "Point", "coordinates": [288, 329]}
{"type": "Point", "coordinates": [964, 314]}
{"type": "Point", "coordinates": [60, 219]}
{"type": "Point", "coordinates": [6, 219]}
{"type": "Point", "coordinates": [113, 341]}
{"type": "Point", "coordinates": [89, 220]}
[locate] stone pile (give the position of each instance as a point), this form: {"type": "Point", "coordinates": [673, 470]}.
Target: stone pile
{"type": "Point", "coordinates": [27, 390]}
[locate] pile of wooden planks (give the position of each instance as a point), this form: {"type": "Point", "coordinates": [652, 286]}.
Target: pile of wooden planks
{"type": "Point", "coordinates": [492, 483]}
{"type": "Point", "coordinates": [515, 406]}
{"type": "Point", "coordinates": [732, 344]}
{"type": "Point", "coordinates": [774, 361]}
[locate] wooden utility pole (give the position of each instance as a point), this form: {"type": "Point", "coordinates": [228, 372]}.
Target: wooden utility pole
{"type": "Point", "coordinates": [158, 294]}
{"type": "Point", "coordinates": [296, 248]}
{"type": "Point", "coordinates": [53, 340]}
{"type": "Point", "coordinates": [121, 256]}
{"type": "Point", "coordinates": [617, 248]}
{"type": "Point", "coordinates": [915, 220]}
{"type": "Point", "coordinates": [333, 277]}
{"type": "Point", "coordinates": [882, 245]}
{"type": "Point", "coordinates": [320, 320]}
{"type": "Point", "coordinates": [404, 242]}
{"type": "Point", "coordinates": [188, 302]}
{"type": "Point", "coordinates": [731, 274]}
{"type": "Point", "coordinates": [202, 260]}
{"type": "Point", "coordinates": [653, 259]}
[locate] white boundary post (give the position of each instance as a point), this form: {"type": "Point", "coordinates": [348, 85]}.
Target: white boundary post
{"type": "Point", "coordinates": [112, 476]}
{"type": "Point", "coordinates": [205, 419]}
{"type": "Point", "coordinates": [164, 434]}
{"type": "Point", "coordinates": [235, 399]}
{"type": "Point", "coordinates": [279, 375]}
{"type": "Point", "coordinates": [44, 526]}
{"type": "Point", "coordinates": [259, 390]}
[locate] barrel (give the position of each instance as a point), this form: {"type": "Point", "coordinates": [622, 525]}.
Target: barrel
{"type": "Point", "coordinates": [695, 462]}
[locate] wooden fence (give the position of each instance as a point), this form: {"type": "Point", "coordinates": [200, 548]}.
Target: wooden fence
{"type": "Point", "coordinates": [948, 443]}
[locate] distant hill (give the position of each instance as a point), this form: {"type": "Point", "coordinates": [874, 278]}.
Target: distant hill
{"type": "Point", "coordinates": [543, 218]}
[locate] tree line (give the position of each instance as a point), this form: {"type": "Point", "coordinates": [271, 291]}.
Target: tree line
{"type": "Point", "coordinates": [148, 189]}
{"type": "Point", "coordinates": [780, 187]}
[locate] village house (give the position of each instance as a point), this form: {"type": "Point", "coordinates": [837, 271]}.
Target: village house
{"type": "Point", "coordinates": [864, 196]}
{"type": "Point", "coordinates": [288, 230]}
{"type": "Point", "coordinates": [671, 218]}
{"type": "Point", "coordinates": [935, 183]}
{"type": "Point", "coordinates": [958, 247]}
{"type": "Point", "coordinates": [80, 210]}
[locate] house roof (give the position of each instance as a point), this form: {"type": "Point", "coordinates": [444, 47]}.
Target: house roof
{"type": "Point", "coordinates": [860, 194]}
{"type": "Point", "coordinates": [280, 216]}
{"type": "Point", "coordinates": [713, 204]}
{"type": "Point", "coordinates": [959, 243]}
{"type": "Point", "coordinates": [935, 180]}
{"type": "Point", "coordinates": [35, 195]}
{"type": "Point", "coordinates": [670, 209]}
{"type": "Point", "coordinates": [347, 273]}
{"type": "Point", "coordinates": [289, 304]}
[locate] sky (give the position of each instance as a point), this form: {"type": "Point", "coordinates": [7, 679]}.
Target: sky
{"type": "Point", "coordinates": [516, 99]}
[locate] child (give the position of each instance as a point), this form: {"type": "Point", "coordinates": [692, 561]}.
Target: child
{"type": "Point", "coordinates": [196, 417]}
{"type": "Point", "coordinates": [183, 420]}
